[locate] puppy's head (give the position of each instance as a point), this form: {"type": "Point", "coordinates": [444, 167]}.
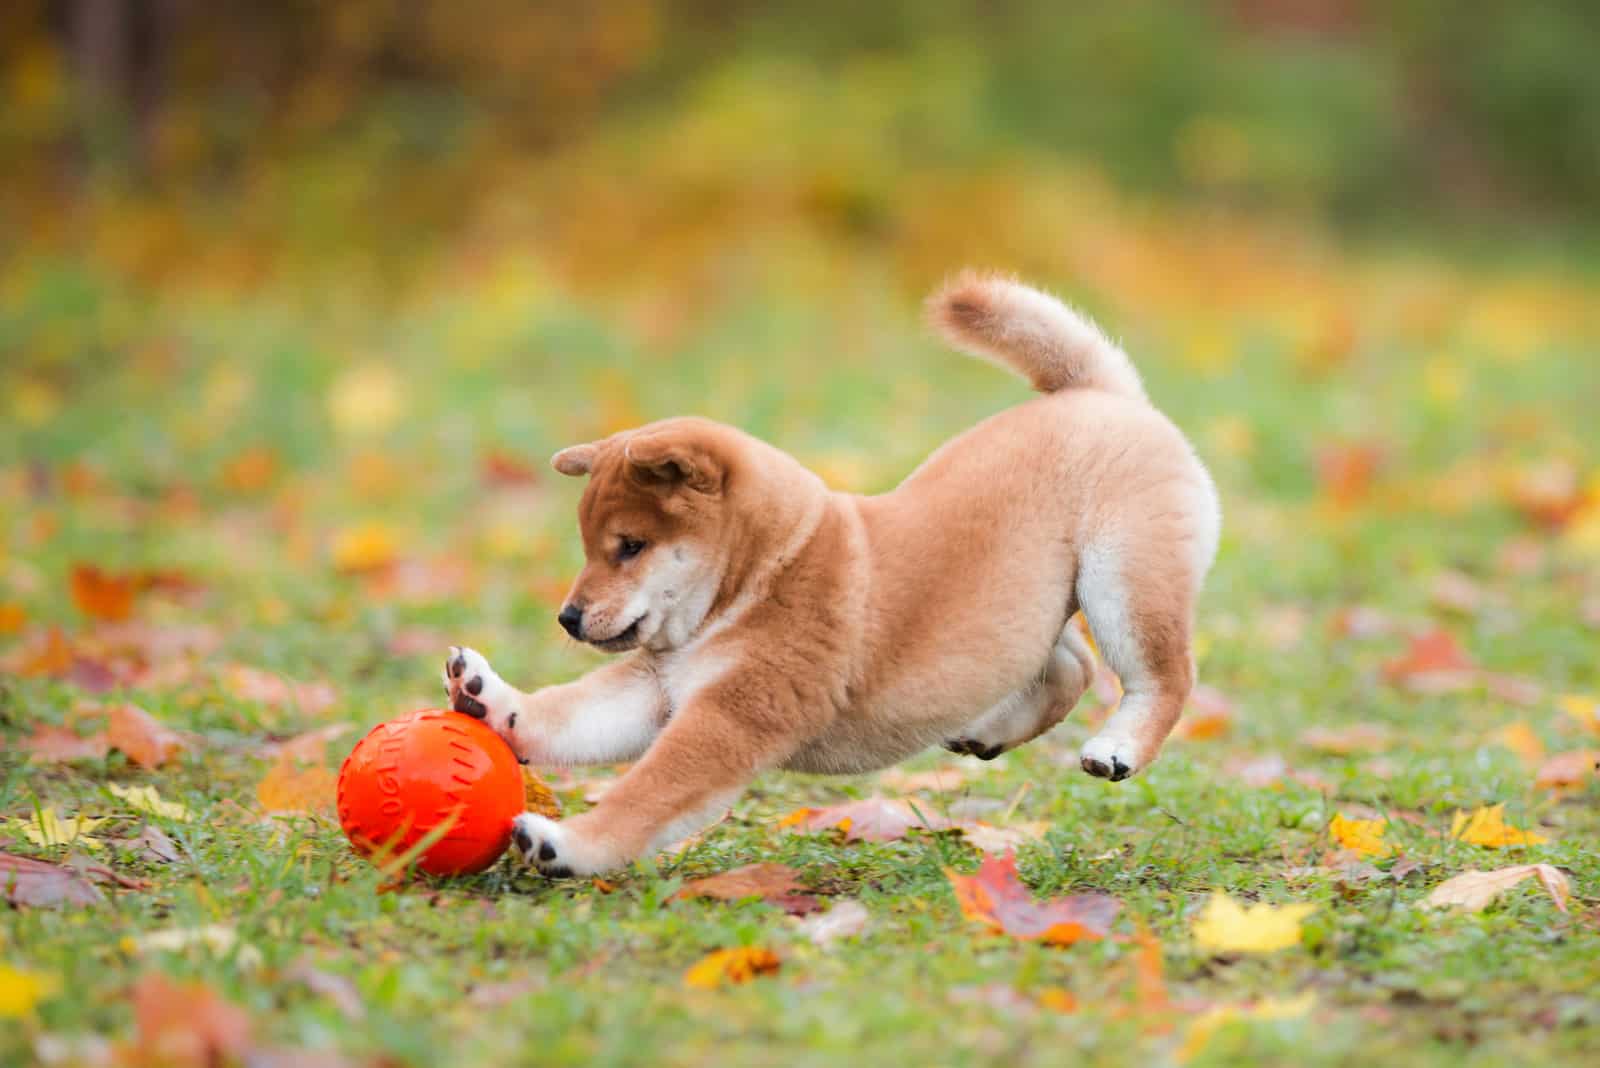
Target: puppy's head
{"type": "Point", "coordinates": [652, 520]}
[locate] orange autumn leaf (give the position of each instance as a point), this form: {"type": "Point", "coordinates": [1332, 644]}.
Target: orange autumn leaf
{"type": "Point", "coordinates": [287, 788]}
{"type": "Point", "coordinates": [53, 658]}
{"type": "Point", "coordinates": [1568, 771]}
{"type": "Point", "coordinates": [499, 467]}
{"type": "Point", "coordinates": [141, 737]}
{"type": "Point", "coordinates": [1433, 663]}
{"type": "Point", "coordinates": [49, 744]}
{"type": "Point", "coordinates": [12, 617]}
{"type": "Point", "coordinates": [537, 797]}
{"type": "Point", "coordinates": [1209, 715]}
{"type": "Point", "coordinates": [251, 471]}
{"type": "Point", "coordinates": [185, 1023]}
{"type": "Point", "coordinates": [1345, 472]}
{"type": "Point", "coordinates": [101, 595]}
{"type": "Point", "coordinates": [1362, 836]}
{"type": "Point", "coordinates": [997, 898]}
{"type": "Point", "coordinates": [1521, 740]}
{"type": "Point", "coordinates": [727, 966]}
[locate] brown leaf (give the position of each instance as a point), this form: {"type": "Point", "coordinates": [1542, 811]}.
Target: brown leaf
{"type": "Point", "coordinates": [288, 788]}
{"type": "Point", "coordinates": [766, 881]}
{"type": "Point", "coordinates": [1474, 890]}
{"type": "Point", "coordinates": [56, 745]}
{"type": "Point", "coordinates": [151, 843]}
{"type": "Point", "coordinates": [182, 1024]}
{"type": "Point", "coordinates": [141, 737]}
{"type": "Point", "coordinates": [872, 819]}
{"type": "Point", "coordinates": [40, 884]}
{"type": "Point", "coordinates": [537, 796]}
{"type": "Point", "coordinates": [996, 898]}
{"type": "Point", "coordinates": [101, 595]}
{"type": "Point", "coordinates": [1433, 663]}
{"type": "Point", "coordinates": [1568, 771]}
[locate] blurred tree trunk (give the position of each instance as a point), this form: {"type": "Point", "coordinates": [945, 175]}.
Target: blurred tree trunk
{"type": "Point", "coordinates": [119, 50]}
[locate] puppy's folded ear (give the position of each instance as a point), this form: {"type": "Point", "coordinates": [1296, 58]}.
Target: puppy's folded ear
{"type": "Point", "coordinates": [673, 459]}
{"type": "Point", "coordinates": [576, 459]}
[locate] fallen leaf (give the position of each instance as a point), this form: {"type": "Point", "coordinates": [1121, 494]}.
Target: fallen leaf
{"type": "Point", "coordinates": [49, 656]}
{"type": "Point", "coordinates": [846, 919]}
{"type": "Point", "coordinates": [1567, 771]}
{"type": "Point", "coordinates": [738, 965]}
{"type": "Point", "coordinates": [501, 468]}
{"type": "Point", "coordinates": [145, 799]}
{"type": "Point", "coordinates": [141, 737]}
{"type": "Point", "coordinates": [21, 990]}
{"type": "Point", "coordinates": [151, 843]}
{"type": "Point", "coordinates": [990, 839]}
{"type": "Point", "coordinates": [872, 819]}
{"type": "Point", "coordinates": [370, 546]}
{"type": "Point", "coordinates": [1209, 715]}
{"type": "Point", "coordinates": [765, 881]}
{"type": "Point", "coordinates": [250, 471]}
{"type": "Point", "coordinates": [1342, 741]}
{"type": "Point", "coordinates": [1345, 472]}
{"type": "Point", "coordinates": [101, 595]}
{"type": "Point", "coordinates": [538, 797]}
{"type": "Point", "coordinates": [1582, 709]}
{"type": "Point", "coordinates": [288, 788]}
{"type": "Point", "coordinates": [997, 898]}
{"type": "Point", "coordinates": [1361, 836]}
{"type": "Point", "coordinates": [1474, 890]}
{"type": "Point", "coordinates": [1433, 663]}
{"type": "Point", "coordinates": [1272, 769]}
{"type": "Point", "coordinates": [13, 617]}
{"type": "Point", "coordinates": [1487, 826]}
{"type": "Point", "coordinates": [186, 1024]}
{"type": "Point", "coordinates": [220, 939]}
{"type": "Point", "coordinates": [1205, 1026]}
{"type": "Point", "coordinates": [40, 884]}
{"type": "Point", "coordinates": [1225, 926]}
{"type": "Point", "coordinates": [1520, 739]}
{"type": "Point", "coordinates": [1549, 493]}
{"type": "Point", "coordinates": [45, 828]}
{"type": "Point", "coordinates": [49, 744]}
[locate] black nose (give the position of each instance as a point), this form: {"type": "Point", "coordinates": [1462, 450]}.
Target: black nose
{"type": "Point", "coordinates": [571, 619]}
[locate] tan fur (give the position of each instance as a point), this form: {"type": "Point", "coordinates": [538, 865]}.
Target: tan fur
{"type": "Point", "coordinates": [785, 625]}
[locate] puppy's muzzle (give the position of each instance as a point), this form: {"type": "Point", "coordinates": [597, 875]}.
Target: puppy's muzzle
{"type": "Point", "coordinates": [571, 620]}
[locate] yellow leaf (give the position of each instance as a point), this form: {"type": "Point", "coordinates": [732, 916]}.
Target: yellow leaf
{"type": "Point", "coordinates": [1057, 999]}
{"type": "Point", "coordinates": [538, 797]}
{"type": "Point", "coordinates": [20, 991]}
{"type": "Point", "coordinates": [12, 617]}
{"type": "Point", "coordinates": [1208, 1023]}
{"type": "Point", "coordinates": [366, 547]}
{"type": "Point", "coordinates": [145, 799]}
{"type": "Point", "coordinates": [730, 966]}
{"type": "Point", "coordinates": [1226, 926]}
{"type": "Point", "coordinates": [1487, 826]}
{"type": "Point", "coordinates": [286, 788]}
{"type": "Point", "coordinates": [1362, 836]}
{"type": "Point", "coordinates": [367, 399]}
{"type": "Point", "coordinates": [1473, 890]}
{"type": "Point", "coordinates": [1584, 710]}
{"type": "Point", "coordinates": [49, 829]}
{"type": "Point", "coordinates": [1520, 739]}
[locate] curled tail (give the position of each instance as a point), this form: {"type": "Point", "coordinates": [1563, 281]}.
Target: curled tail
{"type": "Point", "coordinates": [1032, 333]}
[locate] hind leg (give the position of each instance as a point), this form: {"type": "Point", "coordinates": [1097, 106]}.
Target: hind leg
{"type": "Point", "coordinates": [1029, 712]}
{"type": "Point", "coordinates": [1140, 611]}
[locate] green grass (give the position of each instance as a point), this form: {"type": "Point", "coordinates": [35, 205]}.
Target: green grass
{"type": "Point", "coordinates": [157, 391]}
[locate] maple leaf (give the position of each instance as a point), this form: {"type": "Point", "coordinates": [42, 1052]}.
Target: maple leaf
{"type": "Point", "coordinates": [145, 799]}
{"type": "Point", "coordinates": [141, 737]}
{"type": "Point", "coordinates": [21, 990]}
{"type": "Point", "coordinates": [1226, 926]}
{"type": "Point", "coordinates": [101, 595]}
{"type": "Point", "coordinates": [45, 828]}
{"type": "Point", "coordinates": [1362, 836]}
{"type": "Point", "coordinates": [766, 881]}
{"type": "Point", "coordinates": [26, 881]}
{"type": "Point", "coordinates": [997, 898]}
{"type": "Point", "coordinates": [49, 744]}
{"type": "Point", "coordinates": [1474, 890]}
{"type": "Point", "coordinates": [1433, 663]}
{"type": "Point", "coordinates": [1487, 826]}
{"type": "Point", "coordinates": [738, 965]}
{"type": "Point", "coordinates": [872, 819]}
{"type": "Point", "coordinates": [989, 839]}
{"type": "Point", "coordinates": [1567, 771]}
{"type": "Point", "coordinates": [287, 788]}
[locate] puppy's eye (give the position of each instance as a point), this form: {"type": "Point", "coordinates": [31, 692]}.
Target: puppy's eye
{"type": "Point", "coordinates": [628, 548]}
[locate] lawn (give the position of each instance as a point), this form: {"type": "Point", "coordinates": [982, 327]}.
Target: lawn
{"type": "Point", "coordinates": [298, 494]}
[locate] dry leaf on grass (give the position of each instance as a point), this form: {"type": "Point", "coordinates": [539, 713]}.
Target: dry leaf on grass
{"type": "Point", "coordinates": [40, 884]}
{"type": "Point", "coordinates": [145, 799]}
{"type": "Point", "coordinates": [727, 966]}
{"type": "Point", "coordinates": [1582, 710]}
{"type": "Point", "coordinates": [151, 843]}
{"type": "Point", "coordinates": [1487, 826]}
{"type": "Point", "coordinates": [102, 595]}
{"type": "Point", "coordinates": [1433, 663]}
{"type": "Point", "coordinates": [220, 939]}
{"type": "Point", "coordinates": [1568, 771]}
{"type": "Point", "coordinates": [537, 797]}
{"type": "Point", "coordinates": [288, 788]}
{"type": "Point", "coordinates": [846, 919]}
{"type": "Point", "coordinates": [1474, 890]}
{"type": "Point", "coordinates": [997, 898]}
{"type": "Point", "coordinates": [46, 828]}
{"type": "Point", "coordinates": [184, 1024]}
{"type": "Point", "coordinates": [141, 737]}
{"type": "Point", "coordinates": [986, 838]}
{"type": "Point", "coordinates": [770, 882]}
{"type": "Point", "coordinates": [1520, 739]}
{"type": "Point", "coordinates": [1205, 1026]}
{"type": "Point", "coordinates": [1226, 926]}
{"type": "Point", "coordinates": [54, 745]}
{"type": "Point", "coordinates": [1342, 741]}
{"type": "Point", "coordinates": [1361, 836]}
{"type": "Point", "coordinates": [310, 747]}
{"type": "Point", "coordinates": [943, 779]}
{"type": "Point", "coordinates": [1209, 715]}
{"type": "Point", "coordinates": [872, 819]}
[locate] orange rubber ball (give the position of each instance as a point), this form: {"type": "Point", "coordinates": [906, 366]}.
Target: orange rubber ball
{"type": "Point", "coordinates": [411, 774]}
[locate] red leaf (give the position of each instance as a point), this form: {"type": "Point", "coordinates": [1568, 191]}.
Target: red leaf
{"type": "Point", "coordinates": [38, 883]}
{"type": "Point", "coordinates": [102, 595]}
{"type": "Point", "coordinates": [997, 898]}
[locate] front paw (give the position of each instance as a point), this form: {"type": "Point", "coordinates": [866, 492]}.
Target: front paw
{"type": "Point", "coordinates": [544, 844]}
{"type": "Point", "coordinates": [472, 685]}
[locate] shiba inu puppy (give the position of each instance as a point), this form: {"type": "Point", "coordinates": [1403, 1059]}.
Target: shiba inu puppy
{"type": "Point", "coordinates": [765, 621]}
